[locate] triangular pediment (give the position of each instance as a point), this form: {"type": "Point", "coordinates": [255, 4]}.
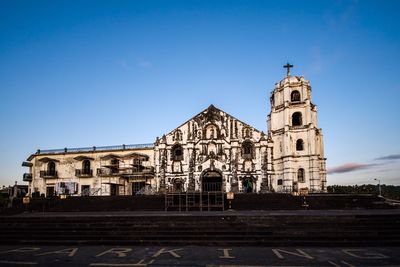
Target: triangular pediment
{"type": "Point", "coordinates": [225, 124]}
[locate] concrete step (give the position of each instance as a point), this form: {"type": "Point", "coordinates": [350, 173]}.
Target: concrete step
{"type": "Point", "coordinates": [203, 230]}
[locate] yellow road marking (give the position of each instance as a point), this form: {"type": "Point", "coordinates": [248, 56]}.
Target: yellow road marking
{"type": "Point", "coordinates": [120, 252]}
{"type": "Point", "coordinates": [226, 253]}
{"type": "Point", "coordinates": [172, 252]}
{"type": "Point", "coordinates": [346, 263]}
{"type": "Point", "coordinates": [19, 262]}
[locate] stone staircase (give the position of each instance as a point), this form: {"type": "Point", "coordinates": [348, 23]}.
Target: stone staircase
{"type": "Point", "coordinates": [222, 229]}
{"type": "Point", "coordinates": [242, 202]}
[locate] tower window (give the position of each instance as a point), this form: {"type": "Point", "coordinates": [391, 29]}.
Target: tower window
{"type": "Point", "coordinates": [299, 145]}
{"type": "Point", "coordinates": [295, 96]}
{"type": "Point", "coordinates": [297, 119]}
{"type": "Point", "coordinates": [280, 182]}
{"type": "Point", "coordinates": [300, 175]}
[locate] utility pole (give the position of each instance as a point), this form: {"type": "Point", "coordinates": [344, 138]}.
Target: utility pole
{"type": "Point", "coordinates": [379, 186]}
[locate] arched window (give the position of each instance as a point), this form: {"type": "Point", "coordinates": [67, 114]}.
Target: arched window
{"type": "Point", "coordinates": [51, 168]}
{"type": "Point", "coordinates": [114, 165]}
{"type": "Point", "coordinates": [299, 145]}
{"type": "Point", "coordinates": [280, 182]}
{"type": "Point", "coordinates": [178, 135]}
{"type": "Point", "coordinates": [137, 161]}
{"type": "Point", "coordinates": [300, 175]}
{"type": "Point", "coordinates": [86, 166]}
{"type": "Point", "coordinates": [246, 133]}
{"type": "Point", "coordinates": [177, 152]}
{"type": "Point", "coordinates": [297, 119]}
{"type": "Point", "coordinates": [295, 96]}
{"type": "Point", "coordinates": [247, 150]}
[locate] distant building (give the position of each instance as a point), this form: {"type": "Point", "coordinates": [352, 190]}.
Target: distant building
{"type": "Point", "coordinates": [213, 151]}
{"type": "Point", "coordinates": [14, 191]}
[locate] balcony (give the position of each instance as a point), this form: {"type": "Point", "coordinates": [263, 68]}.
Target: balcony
{"type": "Point", "coordinates": [27, 177]}
{"type": "Point", "coordinates": [48, 174]}
{"type": "Point", "coordinates": [82, 173]}
{"type": "Point", "coordinates": [107, 172]}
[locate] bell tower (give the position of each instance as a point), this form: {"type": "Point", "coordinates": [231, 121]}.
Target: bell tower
{"type": "Point", "coordinates": [298, 154]}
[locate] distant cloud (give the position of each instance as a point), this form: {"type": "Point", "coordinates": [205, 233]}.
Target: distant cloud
{"type": "Point", "coordinates": [316, 64]}
{"type": "Point", "coordinates": [123, 63]}
{"type": "Point", "coordinates": [145, 64]}
{"type": "Point", "coordinates": [389, 157]}
{"type": "Point", "coordinates": [349, 167]}
{"type": "Point", "coordinates": [140, 63]}
{"type": "Point", "coordinates": [320, 59]}
{"type": "Point", "coordinates": [342, 15]}
{"type": "Point", "coordinates": [392, 180]}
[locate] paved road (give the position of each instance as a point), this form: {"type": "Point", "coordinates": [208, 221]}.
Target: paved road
{"type": "Point", "coordinates": [198, 256]}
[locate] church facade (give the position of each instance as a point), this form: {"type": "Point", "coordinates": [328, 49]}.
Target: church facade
{"type": "Point", "coordinates": [213, 151]}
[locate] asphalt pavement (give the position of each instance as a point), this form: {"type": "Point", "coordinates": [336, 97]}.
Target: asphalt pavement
{"type": "Point", "coordinates": [198, 256]}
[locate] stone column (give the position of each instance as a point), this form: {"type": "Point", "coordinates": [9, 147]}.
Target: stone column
{"type": "Point", "coordinates": [264, 174]}
{"type": "Point", "coordinates": [234, 168]}
{"type": "Point", "coordinates": [192, 165]}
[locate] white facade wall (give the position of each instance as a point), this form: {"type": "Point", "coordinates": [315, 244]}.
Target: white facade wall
{"type": "Point", "coordinates": [66, 164]}
{"type": "Point", "coordinates": [211, 141]}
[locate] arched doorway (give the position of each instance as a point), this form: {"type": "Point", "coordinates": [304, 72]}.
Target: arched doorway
{"type": "Point", "coordinates": [211, 182]}
{"type": "Point", "coordinates": [248, 185]}
{"type": "Point", "coordinates": [178, 185]}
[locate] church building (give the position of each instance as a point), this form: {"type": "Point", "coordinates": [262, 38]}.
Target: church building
{"type": "Point", "coordinates": [212, 152]}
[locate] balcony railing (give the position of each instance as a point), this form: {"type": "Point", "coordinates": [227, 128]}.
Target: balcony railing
{"type": "Point", "coordinates": [48, 174]}
{"type": "Point", "coordinates": [27, 177]}
{"type": "Point", "coordinates": [115, 172]}
{"type": "Point", "coordinates": [94, 148]}
{"type": "Point", "coordinates": [83, 173]}
{"type": "Point", "coordinates": [297, 102]}
{"type": "Point", "coordinates": [107, 172]}
{"type": "Point", "coordinates": [297, 127]}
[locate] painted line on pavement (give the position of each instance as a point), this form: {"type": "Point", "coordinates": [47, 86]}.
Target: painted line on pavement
{"type": "Point", "coordinates": [19, 262]}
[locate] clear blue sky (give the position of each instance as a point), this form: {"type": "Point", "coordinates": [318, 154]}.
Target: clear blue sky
{"type": "Point", "coordinates": [84, 73]}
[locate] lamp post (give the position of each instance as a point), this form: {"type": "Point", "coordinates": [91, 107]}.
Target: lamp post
{"type": "Point", "coordinates": [230, 196]}
{"type": "Point", "coordinates": [379, 186]}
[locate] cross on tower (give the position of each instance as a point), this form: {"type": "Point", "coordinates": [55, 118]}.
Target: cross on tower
{"type": "Point", "coordinates": [288, 66]}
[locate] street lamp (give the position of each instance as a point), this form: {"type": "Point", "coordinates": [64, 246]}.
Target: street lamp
{"type": "Point", "coordinates": [379, 186]}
